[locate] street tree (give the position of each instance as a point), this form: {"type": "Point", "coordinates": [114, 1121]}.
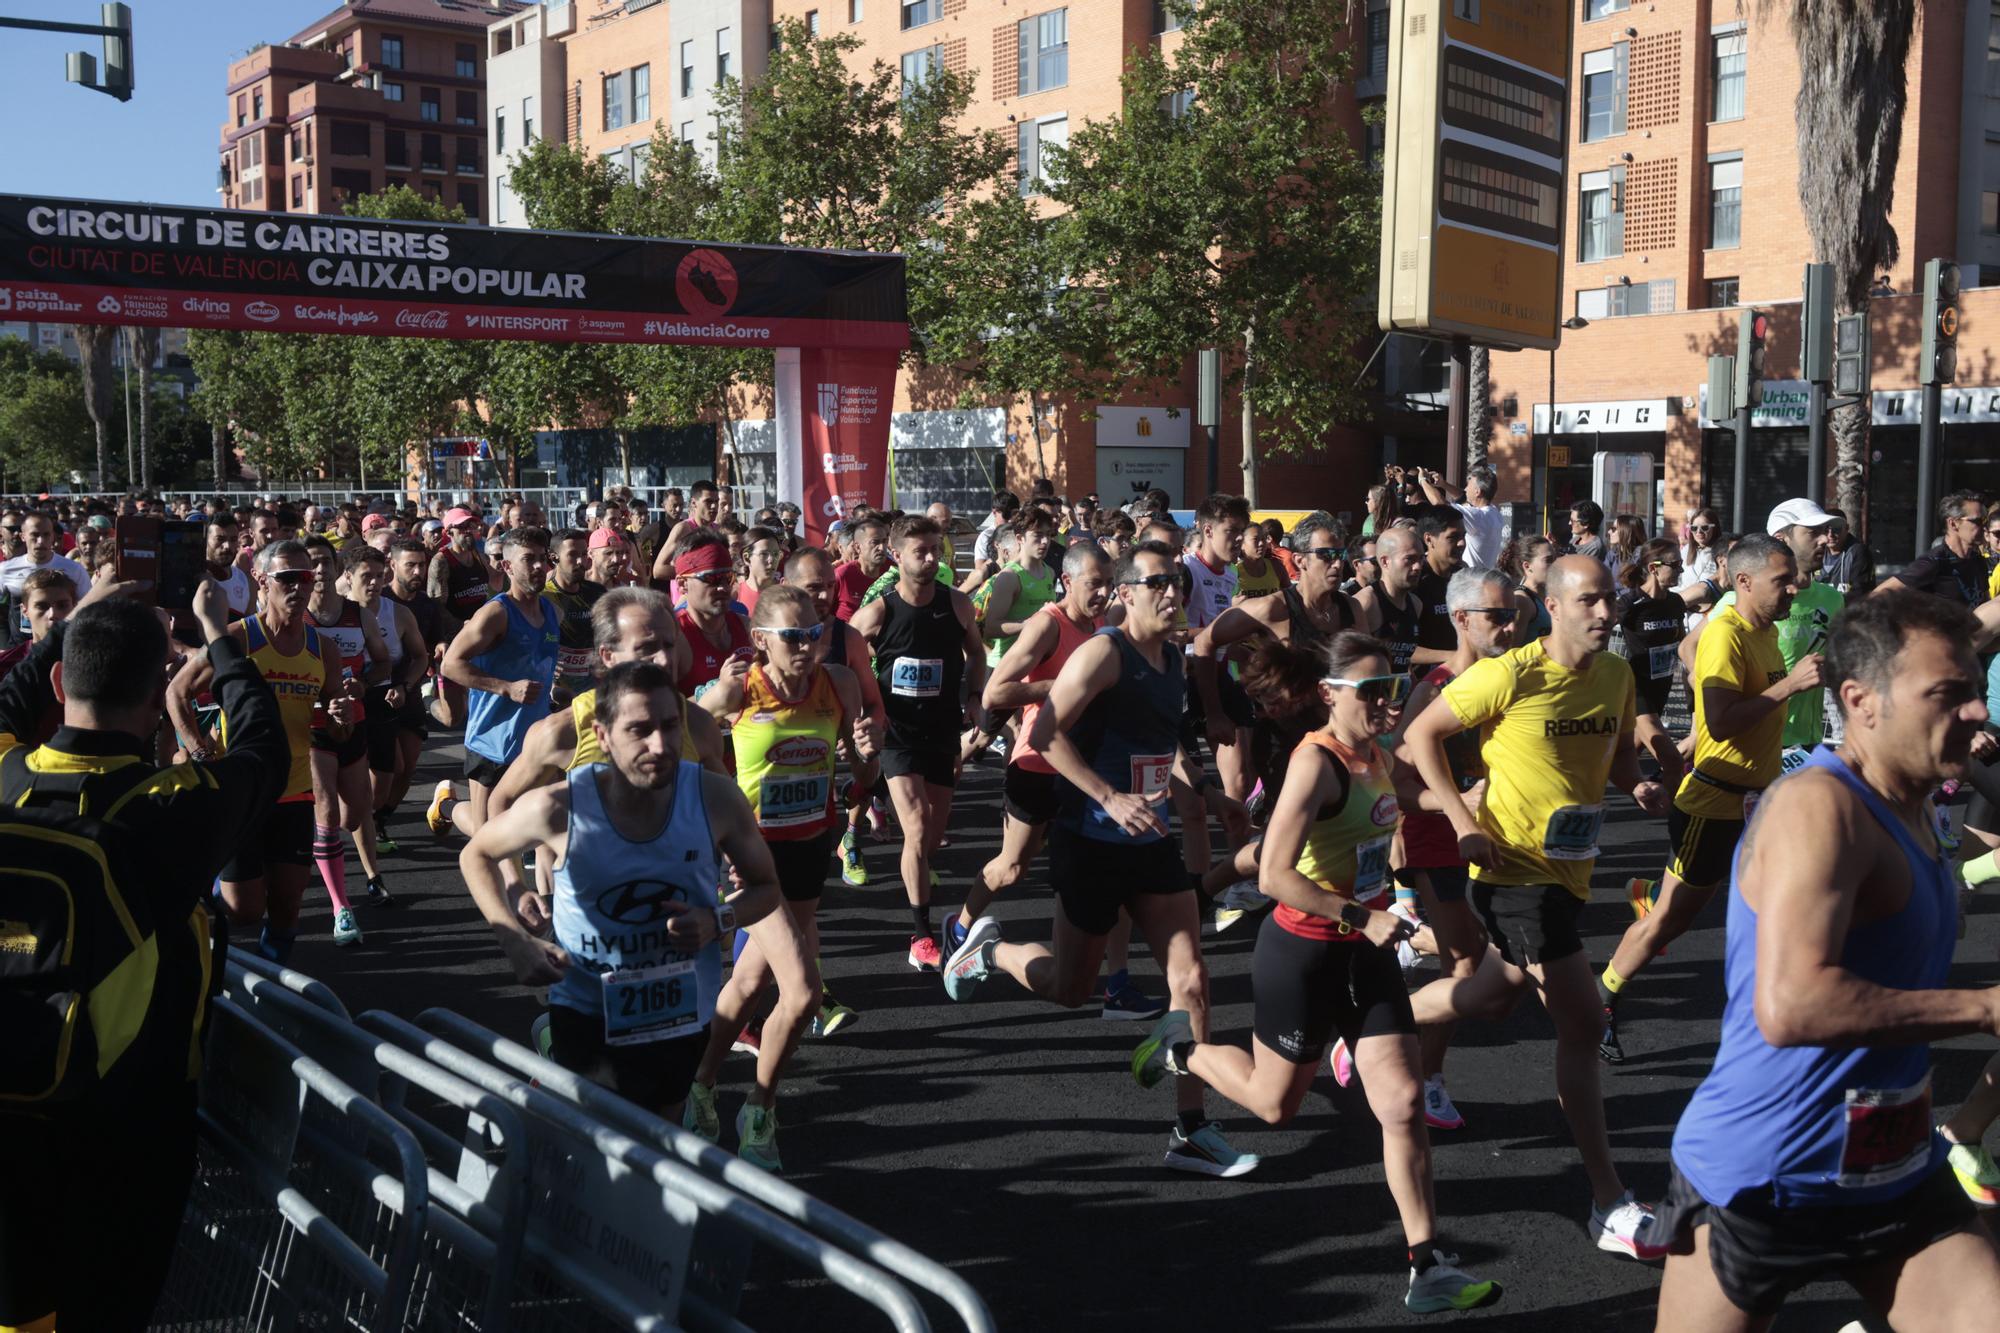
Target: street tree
{"type": "Point", "coordinates": [44, 430]}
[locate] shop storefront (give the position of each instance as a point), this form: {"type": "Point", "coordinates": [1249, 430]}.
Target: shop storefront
{"type": "Point", "coordinates": [1600, 451]}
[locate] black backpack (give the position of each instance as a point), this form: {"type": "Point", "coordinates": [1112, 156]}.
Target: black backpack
{"type": "Point", "coordinates": [96, 995]}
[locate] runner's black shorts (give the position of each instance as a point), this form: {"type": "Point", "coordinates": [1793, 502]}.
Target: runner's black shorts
{"type": "Point", "coordinates": [936, 765]}
{"type": "Point", "coordinates": [349, 751]}
{"type": "Point", "coordinates": [1529, 924]}
{"type": "Point", "coordinates": [1094, 879]}
{"type": "Point", "coordinates": [284, 837]}
{"type": "Point", "coordinates": [386, 726]}
{"type": "Point", "coordinates": [1029, 796]}
{"type": "Point", "coordinates": [654, 1076]}
{"type": "Point", "coordinates": [802, 864]}
{"type": "Point", "coordinates": [484, 771]}
{"type": "Point", "coordinates": [1447, 882]}
{"type": "Point", "coordinates": [1235, 706]}
{"type": "Point", "coordinates": [1308, 990]}
{"type": "Point", "coordinates": [1761, 1253]}
{"type": "Point", "coordinates": [1704, 848]}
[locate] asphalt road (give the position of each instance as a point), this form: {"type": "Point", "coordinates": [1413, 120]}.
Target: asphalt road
{"type": "Point", "coordinates": [1006, 1138]}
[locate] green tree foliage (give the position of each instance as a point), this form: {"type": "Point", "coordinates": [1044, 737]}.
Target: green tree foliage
{"type": "Point", "coordinates": [45, 432]}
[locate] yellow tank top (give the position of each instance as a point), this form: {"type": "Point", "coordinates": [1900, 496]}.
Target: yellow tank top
{"type": "Point", "coordinates": [583, 710]}
{"type": "Point", "coordinates": [785, 754]}
{"type": "Point", "coordinates": [299, 680]}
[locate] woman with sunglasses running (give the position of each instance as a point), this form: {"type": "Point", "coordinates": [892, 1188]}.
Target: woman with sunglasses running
{"type": "Point", "coordinates": [1325, 961]}
{"type": "Point", "coordinates": [789, 714]}
{"type": "Point", "coordinates": [1652, 617]}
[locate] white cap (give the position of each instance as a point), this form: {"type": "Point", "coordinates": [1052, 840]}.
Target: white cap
{"type": "Point", "coordinates": [1800, 512]}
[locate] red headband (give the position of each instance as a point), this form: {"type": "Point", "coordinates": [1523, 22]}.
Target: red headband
{"type": "Point", "coordinates": [701, 559]}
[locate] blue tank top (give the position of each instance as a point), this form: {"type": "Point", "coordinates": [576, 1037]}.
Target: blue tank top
{"type": "Point", "coordinates": [1129, 733]}
{"type": "Point", "coordinates": [610, 894]}
{"type": "Point", "coordinates": [1816, 1125]}
{"type": "Point", "coordinates": [495, 725]}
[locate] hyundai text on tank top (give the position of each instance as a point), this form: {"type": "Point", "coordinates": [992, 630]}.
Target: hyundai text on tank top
{"type": "Point", "coordinates": [466, 586]}
{"type": "Point", "coordinates": [785, 756]}
{"type": "Point", "coordinates": [1210, 591]}
{"type": "Point", "coordinates": [1129, 734]}
{"type": "Point", "coordinates": [919, 663]}
{"type": "Point", "coordinates": [350, 642]}
{"type": "Point", "coordinates": [495, 725]}
{"type": "Point", "coordinates": [611, 897]}
{"type": "Point", "coordinates": [706, 661]}
{"type": "Point", "coordinates": [1817, 1125]}
{"type": "Point", "coordinates": [298, 679]}
{"type": "Point", "coordinates": [1399, 626]}
{"type": "Point", "coordinates": [1069, 637]}
{"type": "Point", "coordinates": [1035, 593]}
{"type": "Point", "coordinates": [1347, 847]}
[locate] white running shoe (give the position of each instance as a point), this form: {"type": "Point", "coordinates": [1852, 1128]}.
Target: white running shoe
{"type": "Point", "coordinates": [1439, 1113]}
{"type": "Point", "coordinates": [1627, 1228]}
{"type": "Point", "coordinates": [1446, 1286]}
{"type": "Point", "coordinates": [1239, 900]}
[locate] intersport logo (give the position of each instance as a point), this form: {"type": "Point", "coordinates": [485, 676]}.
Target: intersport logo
{"type": "Point", "coordinates": [263, 312]}
{"type": "Point", "coordinates": [423, 319]}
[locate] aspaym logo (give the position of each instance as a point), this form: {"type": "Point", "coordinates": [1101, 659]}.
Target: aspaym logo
{"type": "Point", "coordinates": [706, 283]}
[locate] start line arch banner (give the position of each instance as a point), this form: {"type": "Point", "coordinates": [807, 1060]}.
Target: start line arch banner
{"type": "Point", "coordinates": [838, 320]}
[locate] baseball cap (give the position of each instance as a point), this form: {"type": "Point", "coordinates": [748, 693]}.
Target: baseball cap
{"type": "Point", "coordinates": [454, 517]}
{"type": "Point", "coordinates": [374, 522]}
{"type": "Point", "coordinates": [603, 537]}
{"type": "Point", "coordinates": [432, 525]}
{"type": "Point", "coordinates": [102, 522]}
{"type": "Point", "coordinates": [1800, 512]}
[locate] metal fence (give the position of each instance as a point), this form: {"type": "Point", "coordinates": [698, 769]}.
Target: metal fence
{"type": "Point", "coordinates": [369, 1174]}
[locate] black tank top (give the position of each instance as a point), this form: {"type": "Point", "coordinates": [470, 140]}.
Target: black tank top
{"type": "Point", "coordinates": [920, 662]}
{"type": "Point", "coordinates": [1399, 628]}
{"type": "Point", "coordinates": [424, 610]}
{"type": "Point", "coordinates": [466, 588]}
{"type": "Point", "coordinates": [1304, 630]}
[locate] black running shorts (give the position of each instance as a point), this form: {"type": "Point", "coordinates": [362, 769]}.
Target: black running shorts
{"type": "Point", "coordinates": [284, 837]}
{"type": "Point", "coordinates": [937, 767]}
{"type": "Point", "coordinates": [1307, 990]}
{"type": "Point", "coordinates": [1030, 797]}
{"type": "Point", "coordinates": [1761, 1253]}
{"type": "Point", "coordinates": [654, 1076]}
{"type": "Point", "coordinates": [1095, 879]}
{"type": "Point", "coordinates": [802, 864]}
{"type": "Point", "coordinates": [1703, 848]}
{"type": "Point", "coordinates": [349, 751]}
{"type": "Point", "coordinates": [484, 771]}
{"type": "Point", "coordinates": [1529, 924]}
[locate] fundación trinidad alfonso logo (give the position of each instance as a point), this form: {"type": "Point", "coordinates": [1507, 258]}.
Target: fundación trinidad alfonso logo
{"type": "Point", "coordinates": [706, 283]}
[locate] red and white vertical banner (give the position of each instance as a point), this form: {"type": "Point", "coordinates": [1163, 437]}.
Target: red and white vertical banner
{"type": "Point", "coordinates": [847, 395]}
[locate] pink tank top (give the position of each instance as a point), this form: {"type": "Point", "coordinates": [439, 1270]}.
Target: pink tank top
{"type": "Point", "coordinates": [1068, 639]}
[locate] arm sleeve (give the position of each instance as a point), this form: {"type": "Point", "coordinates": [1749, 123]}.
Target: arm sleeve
{"type": "Point", "coordinates": [1482, 693]}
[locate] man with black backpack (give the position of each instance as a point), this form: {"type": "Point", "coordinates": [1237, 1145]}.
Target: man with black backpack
{"type": "Point", "coordinates": [106, 961]}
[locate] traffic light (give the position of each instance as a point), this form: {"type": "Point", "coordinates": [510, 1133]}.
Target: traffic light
{"type": "Point", "coordinates": [1721, 388]}
{"type": "Point", "coordinates": [1816, 325]}
{"type": "Point", "coordinates": [117, 36]}
{"type": "Point", "coordinates": [1939, 363]}
{"type": "Point", "coordinates": [1850, 355]}
{"type": "Point", "coordinates": [1753, 330]}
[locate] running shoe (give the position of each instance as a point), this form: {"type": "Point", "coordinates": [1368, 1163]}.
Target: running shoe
{"type": "Point", "coordinates": [699, 1117]}
{"type": "Point", "coordinates": [878, 820]}
{"type": "Point", "coordinates": [1445, 1286]}
{"type": "Point", "coordinates": [757, 1137]}
{"type": "Point", "coordinates": [378, 893]}
{"type": "Point", "coordinates": [1239, 900]}
{"type": "Point", "coordinates": [1407, 956]}
{"type": "Point", "coordinates": [934, 877]}
{"type": "Point", "coordinates": [954, 935]}
{"type": "Point", "coordinates": [1207, 1153]}
{"type": "Point", "coordinates": [542, 1035]}
{"type": "Point", "coordinates": [1439, 1113]}
{"type": "Point", "coordinates": [1643, 894]}
{"type": "Point", "coordinates": [972, 962]}
{"type": "Point", "coordinates": [345, 931]}
{"type": "Point", "coordinates": [832, 1017]}
{"type": "Point", "coordinates": [749, 1041]}
{"type": "Point", "coordinates": [1123, 1000]}
{"type": "Point", "coordinates": [386, 845]}
{"type": "Point", "coordinates": [435, 816]}
{"type": "Point", "coordinates": [852, 871]}
{"type": "Point", "coordinates": [1154, 1059]}
{"type": "Point", "coordinates": [1609, 1047]}
{"type": "Point", "coordinates": [1626, 1227]}
{"type": "Point", "coordinates": [1977, 1175]}
{"type": "Point", "coordinates": [1341, 1061]}
{"type": "Point", "coordinates": [925, 956]}
{"type": "Point", "coordinates": [998, 749]}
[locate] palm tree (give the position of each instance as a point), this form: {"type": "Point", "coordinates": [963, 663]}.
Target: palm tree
{"type": "Point", "coordinates": [94, 344]}
{"type": "Point", "coordinates": [1853, 88]}
{"type": "Point", "coordinates": [1479, 421]}
{"type": "Point", "coordinates": [146, 343]}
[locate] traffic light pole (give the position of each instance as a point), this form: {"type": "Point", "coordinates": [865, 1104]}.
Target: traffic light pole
{"type": "Point", "coordinates": [1815, 445]}
{"type": "Point", "coordinates": [1927, 465]}
{"type": "Point", "coordinates": [1739, 482]}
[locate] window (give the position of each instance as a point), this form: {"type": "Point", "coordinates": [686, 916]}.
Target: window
{"type": "Point", "coordinates": [466, 66]}
{"type": "Point", "coordinates": [1598, 9]}
{"type": "Point", "coordinates": [527, 121]}
{"type": "Point", "coordinates": [466, 105]}
{"type": "Point", "coordinates": [812, 23]}
{"type": "Point", "coordinates": [1993, 55]}
{"type": "Point", "coordinates": [1641, 298]}
{"type": "Point", "coordinates": [500, 201]}
{"type": "Point", "coordinates": [1036, 135]}
{"type": "Point", "coordinates": [350, 138]}
{"type": "Point", "coordinates": [432, 105]}
{"type": "Point", "coordinates": [1730, 65]}
{"type": "Point", "coordinates": [854, 11]}
{"type": "Point", "coordinates": [392, 92]}
{"type": "Point", "coordinates": [1725, 202]}
{"type": "Point", "coordinates": [431, 146]}
{"type": "Point", "coordinates": [395, 148]}
{"type": "Point", "coordinates": [916, 13]}
{"type": "Point", "coordinates": [614, 101]}
{"type": "Point", "coordinates": [253, 149]}
{"type": "Point", "coordinates": [687, 131]}
{"type": "Point", "coordinates": [499, 132]}
{"type": "Point", "coordinates": [1165, 17]}
{"type": "Point", "coordinates": [687, 69]}
{"type": "Point", "coordinates": [468, 199]}
{"type": "Point", "coordinates": [257, 105]}
{"type": "Point", "coordinates": [1601, 233]}
{"type": "Point", "coordinates": [468, 156]}
{"type": "Point", "coordinates": [725, 49]}
{"type": "Point", "coordinates": [1989, 214]}
{"type": "Point", "coordinates": [920, 66]}
{"type": "Point", "coordinates": [1721, 293]}
{"type": "Point", "coordinates": [1177, 104]}
{"type": "Point", "coordinates": [641, 153]}
{"type": "Point", "coordinates": [1044, 51]}
{"type": "Point", "coordinates": [392, 53]}
{"type": "Point", "coordinates": [1378, 44]}
{"type": "Point", "coordinates": [298, 142]}
{"type": "Point", "coordinates": [642, 94]}
{"type": "Point", "coordinates": [298, 192]}
{"type": "Point", "coordinates": [242, 111]}
{"type": "Point", "coordinates": [1604, 92]}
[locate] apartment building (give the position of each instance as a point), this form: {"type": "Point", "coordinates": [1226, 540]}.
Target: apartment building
{"type": "Point", "coordinates": [375, 94]}
{"type": "Point", "coordinates": [526, 94]}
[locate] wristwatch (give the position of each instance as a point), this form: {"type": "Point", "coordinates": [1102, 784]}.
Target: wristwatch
{"type": "Point", "coordinates": [725, 921]}
{"type": "Point", "coordinates": [1354, 916]}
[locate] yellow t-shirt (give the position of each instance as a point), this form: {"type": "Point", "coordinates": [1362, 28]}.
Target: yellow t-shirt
{"type": "Point", "coordinates": [1250, 585]}
{"type": "Point", "coordinates": [1735, 657]}
{"type": "Point", "coordinates": [1549, 737]}
{"type": "Point", "coordinates": [1993, 581]}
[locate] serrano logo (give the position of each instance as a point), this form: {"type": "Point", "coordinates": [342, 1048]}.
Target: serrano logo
{"type": "Point", "coordinates": [706, 283]}
{"type": "Point", "coordinates": [1386, 811]}
{"type": "Point", "coordinates": [262, 311]}
{"type": "Point", "coordinates": [798, 752]}
{"type": "Point", "coordinates": [423, 319]}
{"type": "Point", "coordinates": [109, 306]}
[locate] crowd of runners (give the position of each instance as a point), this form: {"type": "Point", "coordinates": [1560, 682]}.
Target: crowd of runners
{"type": "Point", "coordinates": [1385, 748]}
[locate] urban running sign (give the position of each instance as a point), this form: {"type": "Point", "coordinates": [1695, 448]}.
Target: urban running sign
{"type": "Point", "coordinates": [82, 262]}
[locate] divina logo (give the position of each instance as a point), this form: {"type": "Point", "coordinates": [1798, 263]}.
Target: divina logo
{"type": "Point", "coordinates": [706, 283]}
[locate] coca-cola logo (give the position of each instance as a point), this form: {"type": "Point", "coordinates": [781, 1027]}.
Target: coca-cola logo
{"type": "Point", "coordinates": [798, 752]}
{"type": "Point", "coordinates": [422, 319]}
{"type": "Point", "coordinates": [338, 315]}
{"type": "Point", "coordinates": [262, 311]}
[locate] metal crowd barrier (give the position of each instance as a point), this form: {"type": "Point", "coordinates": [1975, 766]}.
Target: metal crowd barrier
{"type": "Point", "coordinates": [370, 1174]}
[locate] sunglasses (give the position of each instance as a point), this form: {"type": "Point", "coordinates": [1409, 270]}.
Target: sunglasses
{"type": "Point", "coordinates": [1502, 615]}
{"type": "Point", "coordinates": [714, 578]}
{"type": "Point", "coordinates": [294, 577]}
{"type": "Point", "coordinates": [1157, 582]}
{"type": "Point", "coordinates": [794, 635]}
{"type": "Point", "coordinates": [1375, 689]}
{"type": "Point", "coordinates": [1701, 527]}
{"type": "Point", "coordinates": [1327, 553]}
{"type": "Point", "coordinates": [1366, 560]}
{"type": "Point", "coordinates": [1666, 564]}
